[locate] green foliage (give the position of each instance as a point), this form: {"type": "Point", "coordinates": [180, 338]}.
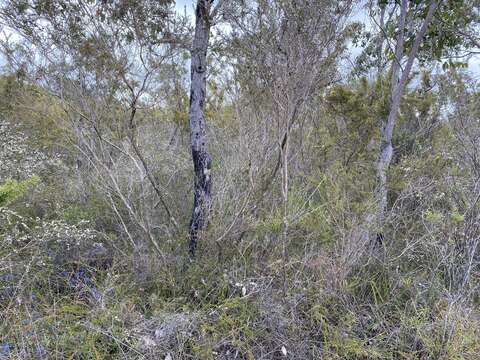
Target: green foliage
{"type": "Point", "coordinates": [442, 39]}
{"type": "Point", "coordinates": [354, 113]}
{"type": "Point", "coordinates": [36, 113]}
{"type": "Point", "coordinates": [79, 279]}
{"type": "Point", "coordinates": [457, 217]}
{"type": "Point", "coordinates": [337, 329]}
{"type": "Point", "coordinates": [11, 190]}
{"type": "Point", "coordinates": [449, 36]}
{"type": "Point", "coordinates": [111, 13]}
{"type": "Point", "coordinates": [433, 217]}
{"type": "Point", "coordinates": [234, 322]}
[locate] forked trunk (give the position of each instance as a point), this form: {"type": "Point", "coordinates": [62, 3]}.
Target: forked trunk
{"type": "Point", "coordinates": [398, 83]}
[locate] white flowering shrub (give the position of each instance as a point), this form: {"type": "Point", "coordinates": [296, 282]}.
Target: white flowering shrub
{"type": "Point", "coordinates": [43, 261]}
{"type": "Point", "coordinates": [62, 244]}
{"type": "Point", "coordinates": [18, 160]}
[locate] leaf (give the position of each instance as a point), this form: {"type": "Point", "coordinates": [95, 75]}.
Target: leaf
{"type": "Point", "coordinates": [457, 217]}
{"type": "Point", "coordinates": [11, 189]}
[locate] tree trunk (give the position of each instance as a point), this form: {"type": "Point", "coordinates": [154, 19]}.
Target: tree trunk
{"type": "Point", "coordinates": [201, 159]}
{"type": "Point", "coordinates": [397, 87]}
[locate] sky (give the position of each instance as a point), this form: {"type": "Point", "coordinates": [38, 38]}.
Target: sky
{"type": "Point", "coordinates": [180, 5]}
{"type": "Point", "coordinates": [359, 15]}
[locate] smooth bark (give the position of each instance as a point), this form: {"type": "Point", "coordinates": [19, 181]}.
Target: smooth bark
{"type": "Point", "coordinates": [397, 88]}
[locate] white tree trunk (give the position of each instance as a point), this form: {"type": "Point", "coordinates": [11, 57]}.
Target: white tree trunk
{"type": "Point", "coordinates": [397, 87]}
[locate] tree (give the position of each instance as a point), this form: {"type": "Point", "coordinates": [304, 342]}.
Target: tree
{"type": "Point", "coordinates": [102, 62]}
{"type": "Point", "coordinates": [397, 85]}
{"type": "Point", "coordinates": [429, 32]}
{"type": "Point", "coordinates": [412, 30]}
{"type": "Point", "coordinates": [205, 14]}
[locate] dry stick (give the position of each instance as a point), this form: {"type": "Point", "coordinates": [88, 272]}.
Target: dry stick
{"type": "Point", "coordinates": [121, 221]}
{"type": "Point", "coordinates": [91, 327]}
{"type": "Point", "coordinates": [384, 35]}
{"type": "Point", "coordinates": [300, 100]}
{"type": "Point", "coordinates": [237, 215]}
{"type": "Point", "coordinates": [285, 206]}
{"type": "Point", "coordinates": [125, 201]}
{"type": "Point", "coordinates": [216, 9]}
{"type": "Point", "coordinates": [150, 177]}
{"type": "Point", "coordinates": [122, 197]}
{"type": "Point", "coordinates": [135, 147]}
{"type": "Point", "coordinates": [286, 134]}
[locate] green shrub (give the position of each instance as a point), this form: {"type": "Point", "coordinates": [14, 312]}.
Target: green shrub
{"type": "Point", "coordinates": [11, 190]}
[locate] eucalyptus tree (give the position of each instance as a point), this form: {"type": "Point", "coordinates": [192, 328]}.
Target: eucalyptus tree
{"type": "Point", "coordinates": [206, 13]}
{"type": "Point", "coordinates": [400, 73]}
{"type": "Point", "coordinates": [410, 31]}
